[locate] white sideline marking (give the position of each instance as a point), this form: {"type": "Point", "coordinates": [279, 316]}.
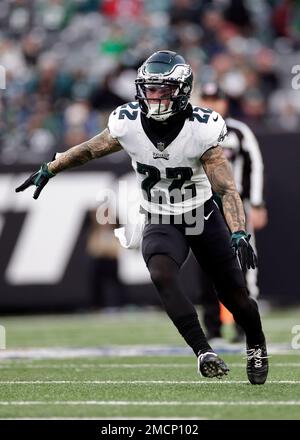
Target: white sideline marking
{"type": "Point", "coordinates": [129, 351]}
{"type": "Point", "coordinates": [138, 382]}
{"type": "Point", "coordinates": [152, 403]}
{"type": "Point", "coordinates": [78, 366]}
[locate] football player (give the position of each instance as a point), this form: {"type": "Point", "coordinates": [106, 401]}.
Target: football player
{"type": "Point", "coordinates": [242, 150]}
{"type": "Point", "coordinates": [175, 152]}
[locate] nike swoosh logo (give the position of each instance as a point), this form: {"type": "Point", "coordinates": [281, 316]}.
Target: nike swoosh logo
{"type": "Point", "coordinates": [216, 118]}
{"type": "Point", "coordinates": [208, 215]}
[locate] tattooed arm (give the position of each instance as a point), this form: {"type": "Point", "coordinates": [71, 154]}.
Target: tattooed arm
{"type": "Point", "coordinates": [98, 146]}
{"type": "Point", "coordinates": [219, 173]}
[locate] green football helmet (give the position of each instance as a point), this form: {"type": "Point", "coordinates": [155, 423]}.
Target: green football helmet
{"type": "Point", "coordinates": [163, 85]}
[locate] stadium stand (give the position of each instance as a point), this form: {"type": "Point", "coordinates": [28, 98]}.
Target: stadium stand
{"type": "Point", "coordinates": [69, 63]}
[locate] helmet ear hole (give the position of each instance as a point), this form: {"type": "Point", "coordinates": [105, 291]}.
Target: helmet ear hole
{"type": "Point", "coordinates": [162, 69]}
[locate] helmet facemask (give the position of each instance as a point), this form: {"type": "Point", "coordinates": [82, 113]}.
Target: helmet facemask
{"type": "Point", "coordinates": [159, 100]}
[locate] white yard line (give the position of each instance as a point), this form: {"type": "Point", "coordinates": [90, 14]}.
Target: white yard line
{"type": "Point", "coordinates": [138, 382]}
{"type": "Point", "coordinates": [151, 403]}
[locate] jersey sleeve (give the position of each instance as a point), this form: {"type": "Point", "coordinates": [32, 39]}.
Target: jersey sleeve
{"type": "Point", "coordinates": [216, 131]}
{"type": "Point", "coordinates": [209, 127]}
{"type": "Point", "coordinates": [116, 125]}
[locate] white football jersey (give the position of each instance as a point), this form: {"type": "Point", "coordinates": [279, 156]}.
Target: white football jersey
{"type": "Point", "coordinates": [172, 179]}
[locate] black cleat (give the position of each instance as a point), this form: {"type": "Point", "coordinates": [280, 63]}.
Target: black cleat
{"type": "Point", "coordinates": [257, 364]}
{"type": "Point", "coordinates": [210, 365]}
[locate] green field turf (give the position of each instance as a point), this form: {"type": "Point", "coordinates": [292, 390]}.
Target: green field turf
{"type": "Point", "coordinates": [140, 386]}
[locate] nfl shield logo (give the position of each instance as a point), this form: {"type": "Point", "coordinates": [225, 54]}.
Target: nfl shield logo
{"type": "Point", "coordinates": [160, 146]}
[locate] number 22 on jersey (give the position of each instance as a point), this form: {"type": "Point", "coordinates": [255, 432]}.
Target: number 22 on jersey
{"type": "Point", "coordinates": [179, 176]}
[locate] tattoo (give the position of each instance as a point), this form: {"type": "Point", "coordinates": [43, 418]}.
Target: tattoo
{"type": "Point", "coordinates": [98, 146]}
{"type": "Point", "coordinates": [219, 173]}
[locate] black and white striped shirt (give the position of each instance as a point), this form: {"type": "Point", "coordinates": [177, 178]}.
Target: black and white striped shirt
{"type": "Point", "coordinates": [242, 150]}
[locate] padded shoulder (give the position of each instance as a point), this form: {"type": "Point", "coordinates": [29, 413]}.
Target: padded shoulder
{"type": "Point", "coordinates": [120, 118]}
{"type": "Point", "coordinates": [211, 126]}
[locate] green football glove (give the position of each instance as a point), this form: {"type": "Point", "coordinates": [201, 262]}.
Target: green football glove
{"type": "Point", "coordinates": [40, 179]}
{"type": "Point", "coordinates": [243, 250]}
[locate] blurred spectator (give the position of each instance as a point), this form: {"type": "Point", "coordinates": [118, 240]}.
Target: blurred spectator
{"type": "Point", "coordinates": [31, 46]}
{"type": "Point", "coordinates": [54, 14]}
{"type": "Point", "coordinates": [20, 15]}
{"type": "Point", "coordinates": [102, 248]}
{"type": "Point", "coordinates": [104, 99]}
{"type": "Point", "coordinates": [126, 9]}
{"type": "Point", "coordinates": [49, 81]}
{"type": "Point", "coordinates": [115, 43]}
{"type": "Point", "coordinates": [286, 18]}
{"type": "Point", "coordinates": [63, 51]}
{"type": "Point", "coordinates": [187, 11]}
{"type": "Point", "coordinates": [80, 123]}
{"type": "Point", "coordinates": [238, 13]}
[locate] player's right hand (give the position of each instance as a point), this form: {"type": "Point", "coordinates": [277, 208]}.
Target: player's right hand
{"type": "Point", "coordinates": [39, 178]}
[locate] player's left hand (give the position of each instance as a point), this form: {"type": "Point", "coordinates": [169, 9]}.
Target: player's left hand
{"type": "Point", "coordinates": [243, 249]}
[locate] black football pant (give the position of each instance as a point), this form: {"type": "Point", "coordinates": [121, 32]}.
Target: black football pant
{"type": "Point", "coordinates": [165, 247]}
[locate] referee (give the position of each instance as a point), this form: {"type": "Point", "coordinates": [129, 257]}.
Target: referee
{"type": "Point", "coordinates": [242, 150]}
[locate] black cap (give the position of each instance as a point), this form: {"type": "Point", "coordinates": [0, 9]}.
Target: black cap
{"type": "Point", "coordinates": [212, 90]}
